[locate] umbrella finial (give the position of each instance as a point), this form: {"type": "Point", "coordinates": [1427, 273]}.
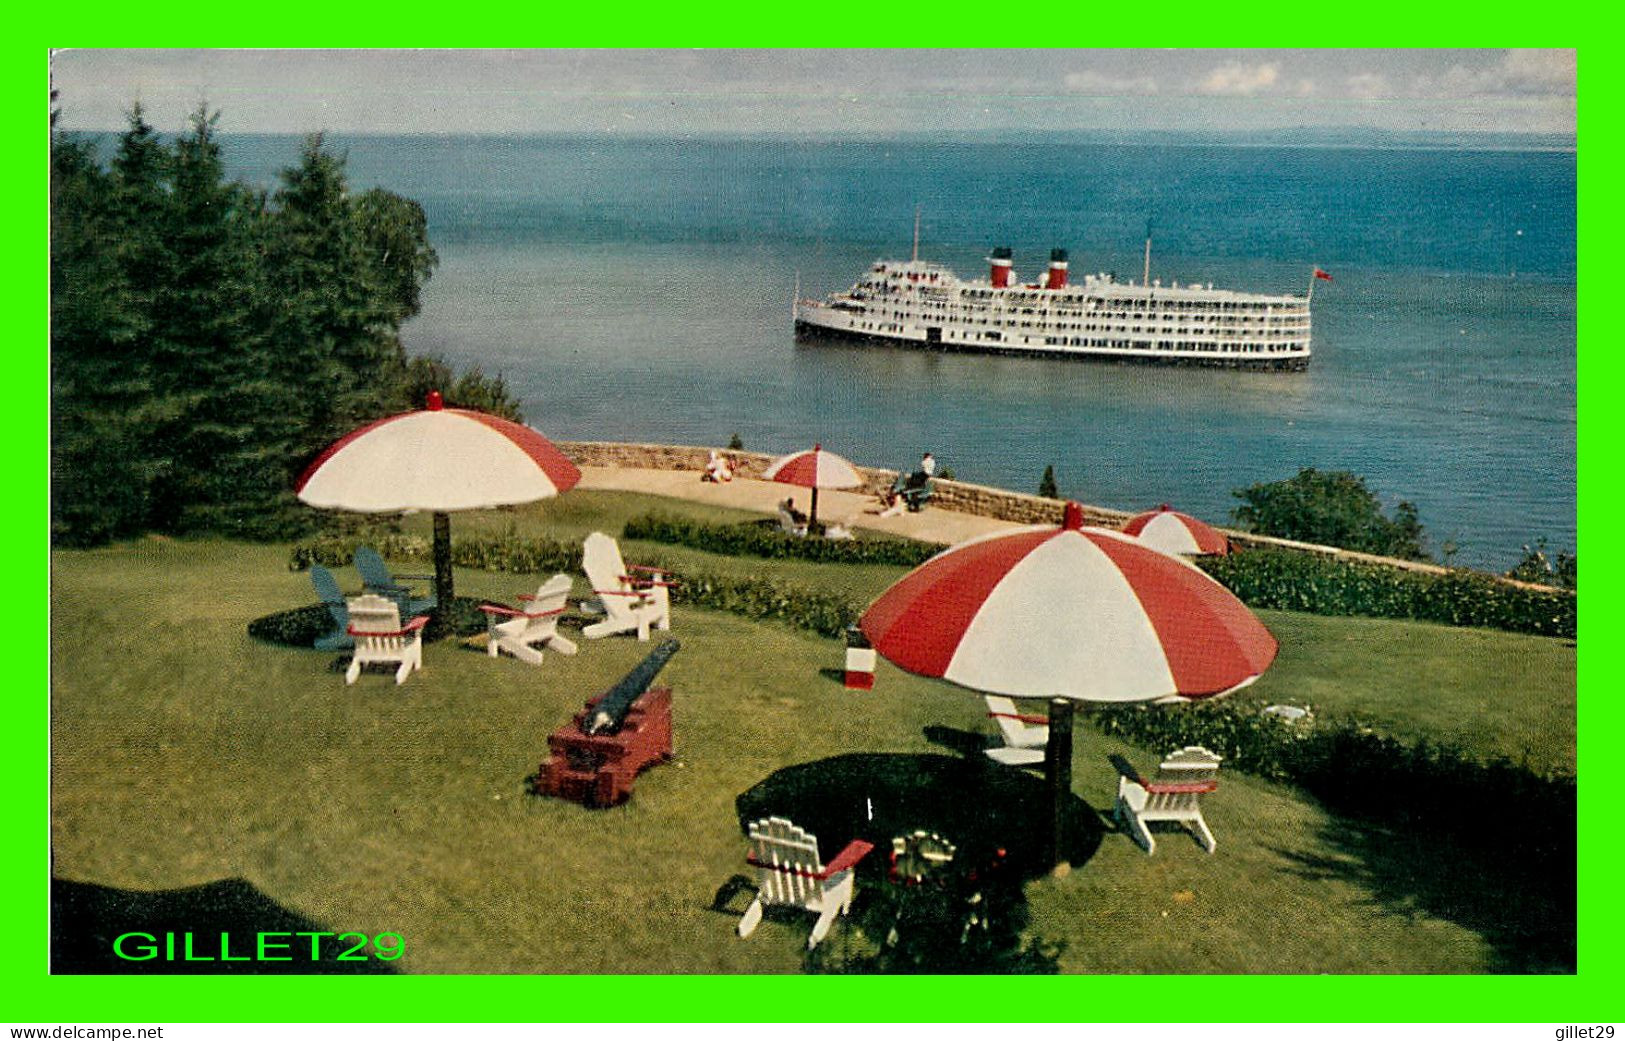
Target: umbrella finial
{"type": "Point", "coordinates": [817, 447]}
{"type": "Point", "coordinates": [435, 402]}
{"type": "Point", "coordinates": [1072, 517]}
{"type": "Point", "coordinates": [1164, 508]}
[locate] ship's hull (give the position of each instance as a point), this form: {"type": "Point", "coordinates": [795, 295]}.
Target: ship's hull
{"type": "Point", "coordinates": [808, 331]}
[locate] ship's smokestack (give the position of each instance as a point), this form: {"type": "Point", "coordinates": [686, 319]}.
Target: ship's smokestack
{"type": "Point", "coordinates": [998, 271]}
{"type": "Point", "coordinates": [1057, 269]}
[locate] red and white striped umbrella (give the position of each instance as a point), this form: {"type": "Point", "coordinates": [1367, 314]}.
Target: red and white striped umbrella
{"type": "Point", "coordinates": [436, 460]}
{"type": "Point", "coordinates": [1073, 612]}
{"type": "Point", "coordinates": [1174, 532]}
{"type": "Point", "coordinates": [815, 469]}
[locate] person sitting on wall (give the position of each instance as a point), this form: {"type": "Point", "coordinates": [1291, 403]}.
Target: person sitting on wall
{"type": "Point", "coordinates": [789, 507]}
{"type": "Point", "coordinates": [717, 469]}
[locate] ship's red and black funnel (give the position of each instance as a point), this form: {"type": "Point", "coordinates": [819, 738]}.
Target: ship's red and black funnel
{"type": "Point", "coordinates": [999, 267]}
{"type": "Point", "coordinates": [1057, 269]}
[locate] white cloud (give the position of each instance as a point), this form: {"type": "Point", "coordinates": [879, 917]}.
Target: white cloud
{"type": "Point", "coordinates": [1518, 73]}
{"type": "Point", "coordinates": [1091, 82]}
{"type": "Point", "coordinates": [1542, 72]}
{"type": "Point", "coordinates": [1368, 85]}
{"type": "Point", "coordinates": [1243, 80]}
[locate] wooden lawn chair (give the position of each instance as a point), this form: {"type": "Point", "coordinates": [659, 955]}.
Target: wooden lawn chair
{"type": "Point", "coordinates": [1175, 795]}
{"type": "Point", "coordinates": [381, 639]}
{"type": "Point", "coordinates": [376, 578]}
{"type": "Point", "coordinates": [327, 587]}
{"type": "Point", "coordinates": [790, 874]}
{"type": "Point", "coordinates": [630, 603]}
{"type": "Point", "coordinates": [523, 633]}
{"type": "Point", "coordinates": [1024, 735]}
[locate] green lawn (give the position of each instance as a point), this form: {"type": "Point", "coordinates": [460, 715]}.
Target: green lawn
{"type": "Point", "coordinates": [185, 752]}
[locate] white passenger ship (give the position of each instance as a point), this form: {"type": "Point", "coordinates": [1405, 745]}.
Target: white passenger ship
{"type": "Point", "coordinates": [918, 303]}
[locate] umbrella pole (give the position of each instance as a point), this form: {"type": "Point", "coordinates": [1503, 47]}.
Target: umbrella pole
{"type": "Point", "coordinates": [443, 589]}
{"type": "Point", "coordinates": [1058, 775]}
{"type": "Point", "coordinates": [812, 514]}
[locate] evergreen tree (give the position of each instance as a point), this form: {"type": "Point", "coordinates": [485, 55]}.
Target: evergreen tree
{"type": "Point", "coordinates": [395, 235]}
{"type": "Point", "coordinates": [207, 340]}
{"type": "Point", "coordinates": [473, 389]}
{"type": "Point", "coordinates": [108, 260]}
{"type": "Point", "coordinates": [331, 337]}
{"type": "Point", "coordinates": [230, 421]}
{"type": "Point", "coordinates": [1046, 484]}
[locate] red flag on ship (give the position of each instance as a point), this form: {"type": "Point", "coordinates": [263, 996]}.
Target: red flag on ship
{"type": "Point", "coordinates": [1321, 274]}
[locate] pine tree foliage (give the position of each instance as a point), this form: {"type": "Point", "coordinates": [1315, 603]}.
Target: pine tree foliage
{"type": "Point", "coordinates": [207, 340]}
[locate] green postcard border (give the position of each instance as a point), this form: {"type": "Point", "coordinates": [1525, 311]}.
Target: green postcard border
{"type": "Point", "coordinates": [40, 998]}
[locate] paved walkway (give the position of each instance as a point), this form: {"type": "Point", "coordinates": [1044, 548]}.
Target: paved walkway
{"type": "Point", "coordinates": [930, 525]}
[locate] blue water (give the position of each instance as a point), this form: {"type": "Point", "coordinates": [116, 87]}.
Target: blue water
{"type": "Point", "coordinates": [640, 290]}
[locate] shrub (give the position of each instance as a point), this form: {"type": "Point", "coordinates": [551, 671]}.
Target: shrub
{"type": "Point", "coordinates": [766, 540]}
{"type": "Point", "coordinates": [1536, 567]}
{"type": "Point", "coordinates": [1332, 508]}
{"type": "Point", "coordinates": [1288, 580]}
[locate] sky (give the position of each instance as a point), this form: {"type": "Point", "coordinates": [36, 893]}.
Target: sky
{"type": "Point", "coordinates": [822, 92]}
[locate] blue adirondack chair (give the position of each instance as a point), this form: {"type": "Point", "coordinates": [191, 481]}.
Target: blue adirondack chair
{"type": "Point", "coordinates": [376, 578]}
{"type": "Point", "coordinates": [327, 587]}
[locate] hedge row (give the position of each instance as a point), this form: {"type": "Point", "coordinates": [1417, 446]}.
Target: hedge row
{"type": "Point", "coordinates": [1351, 767]}
{"type": "Point", "coordinates": [1296, 581]}
{"type": "Point", "coordinates": [1264, 578]}
{"type": "Point", "coordinates": [754, 539]}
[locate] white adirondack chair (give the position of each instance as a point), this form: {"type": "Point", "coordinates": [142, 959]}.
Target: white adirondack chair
{"type": "Point", "coordinates": [1024, 736]}
{"type": "Point", "coordinates": [523, 633]}
{"type": "Point", "coordinates": [1175, 795]}
{"type": "Point", "coordinates": [381, 639]}
{"type": "Point", "coordinates": [789, 874]}
{"type": "Point", "coordinates": [629, 603]}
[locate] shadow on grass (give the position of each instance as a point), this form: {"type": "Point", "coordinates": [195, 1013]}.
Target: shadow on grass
{"type": "Point", "coordinates": [967, 743]}
{"type": "Point", "coordinates": [303, 626]}
{"type": "Point", "coordinates": [966, 916]}
{"type": "Point", "coordinates": [86, 919]}
{"type": "Point", "coordinates": [1522, 901]}
{"type": "Point", "coordinates": [980, 806]}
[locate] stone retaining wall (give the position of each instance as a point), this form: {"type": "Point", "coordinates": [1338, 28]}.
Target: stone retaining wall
{"type": "Point", "coordinates": [960, 496]}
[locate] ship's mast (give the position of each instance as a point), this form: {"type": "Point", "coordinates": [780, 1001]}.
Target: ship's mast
{"type": "Point", "coordinates": [916, 233]}
{"type": "Point", "coordinates": [1145, 279]}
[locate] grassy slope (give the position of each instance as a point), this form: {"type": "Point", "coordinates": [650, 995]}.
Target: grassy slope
{"type": "Point", "coordinates": [202, 754]}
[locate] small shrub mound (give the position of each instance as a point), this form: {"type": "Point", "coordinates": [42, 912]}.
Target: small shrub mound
{"type": "Point", "coordinates": [756, 539]}
{"type": "Point", "coordinates": [303, 626]}
{"type": "Point", "coordinates": [1293, 581]}
{"type": "Point", "coordinates": [300, 627]}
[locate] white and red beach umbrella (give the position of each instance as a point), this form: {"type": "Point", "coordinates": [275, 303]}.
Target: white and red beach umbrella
{"type": "Point", "coordinates": [437, 460]}
{"type": "Point", "coordinates": [815, 469]}
{"type": "Point", "coordinates": [1080, 613]}
{"type": "Point", "coordinates": [1174, 532]}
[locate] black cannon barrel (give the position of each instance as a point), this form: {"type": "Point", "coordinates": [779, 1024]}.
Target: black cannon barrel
{"type": "Point", "coordinates": [617, 701]}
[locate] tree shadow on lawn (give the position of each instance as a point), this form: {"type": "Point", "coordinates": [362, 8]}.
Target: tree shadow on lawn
{"type": "Point", "coordinates": [1520, 898]}
{"type": "Point", "coordinates": [981, 807]}
{"type": "Point", "coordinates": [967, 916]}
{"type": "Point", "coordinates": [86, 919]}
